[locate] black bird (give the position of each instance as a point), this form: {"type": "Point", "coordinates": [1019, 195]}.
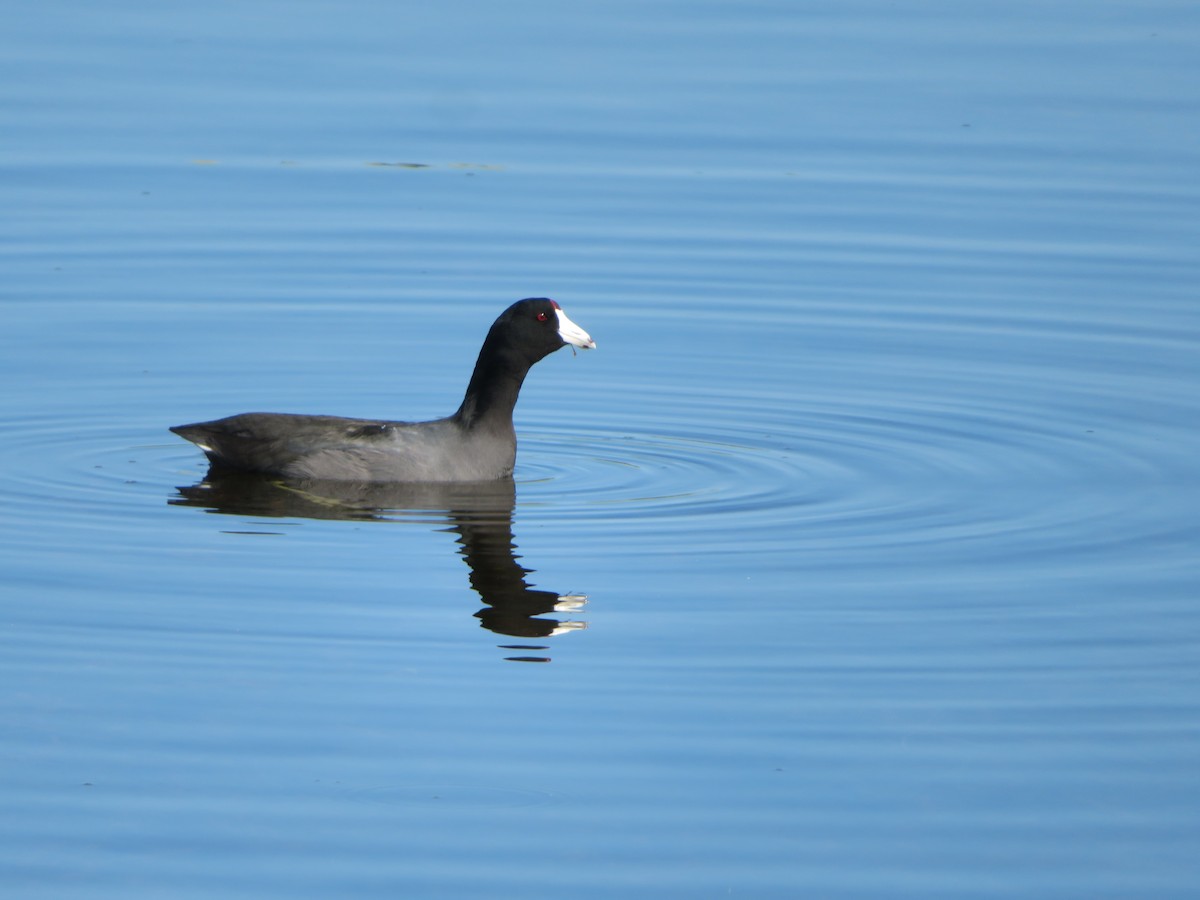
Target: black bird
{"type": "Point", "coordinates": [476, 443]}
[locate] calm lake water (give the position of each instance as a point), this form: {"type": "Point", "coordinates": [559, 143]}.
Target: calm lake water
{"type": "Point", "coordinates": [859, 560]}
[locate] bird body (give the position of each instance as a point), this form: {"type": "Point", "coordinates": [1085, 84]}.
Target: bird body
{"type": "Point", "coordinates": [475, 443]}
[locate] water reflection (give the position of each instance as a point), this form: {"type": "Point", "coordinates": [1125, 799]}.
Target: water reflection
{"type": "Point", "coordinates": [479, 515]}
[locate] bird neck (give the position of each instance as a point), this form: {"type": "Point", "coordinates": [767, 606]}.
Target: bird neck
{"type": "Point", "coordinates": [492, 391]}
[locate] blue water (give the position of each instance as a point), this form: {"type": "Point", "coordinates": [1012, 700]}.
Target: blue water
{"type": "Point", "coordinates": [859, 560]}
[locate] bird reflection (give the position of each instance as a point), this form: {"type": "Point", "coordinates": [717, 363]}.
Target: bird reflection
{"type": "Point", "coordinates": [479, 515]}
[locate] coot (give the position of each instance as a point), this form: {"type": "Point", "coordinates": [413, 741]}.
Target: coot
{"type": "Point", "coordinates": [476, 443]}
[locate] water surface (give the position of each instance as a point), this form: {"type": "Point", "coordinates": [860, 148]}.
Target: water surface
{"type": "Point", "coordinates": [859, 559]}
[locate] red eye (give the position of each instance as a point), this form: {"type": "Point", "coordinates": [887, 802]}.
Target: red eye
{"type": "Point", "coordinates": [542, 317]}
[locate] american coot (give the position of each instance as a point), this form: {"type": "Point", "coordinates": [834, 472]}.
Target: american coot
{"type": "Point", "coordinates": [476, 443]}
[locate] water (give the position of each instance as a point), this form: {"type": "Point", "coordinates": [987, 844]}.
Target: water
{"type": "Point", "coordinates": [880, 486]}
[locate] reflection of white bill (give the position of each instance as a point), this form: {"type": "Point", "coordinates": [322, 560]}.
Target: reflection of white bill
{"type": "Point", "coordinates": [565, 627]}
{"type": "Point", "coordinates": [570, 602]}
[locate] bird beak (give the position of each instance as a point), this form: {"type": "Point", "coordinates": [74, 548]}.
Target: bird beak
{"type": "Point", "coordinates": [573, 334]}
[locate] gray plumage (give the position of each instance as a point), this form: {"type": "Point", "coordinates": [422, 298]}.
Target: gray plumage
{"type": "Point", "coordinates": [475, 443]}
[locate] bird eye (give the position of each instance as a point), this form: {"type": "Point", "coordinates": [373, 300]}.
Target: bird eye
{"type": "Point", "coordinates": [542, 317]}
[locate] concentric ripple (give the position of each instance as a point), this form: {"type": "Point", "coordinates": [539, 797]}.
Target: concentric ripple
{"type": "Point", "coordinates": [848, 474]}
{"type": "Point", "coordinates": [80, 460]}
{"type": "Point", "coordinates": [974, 468]}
